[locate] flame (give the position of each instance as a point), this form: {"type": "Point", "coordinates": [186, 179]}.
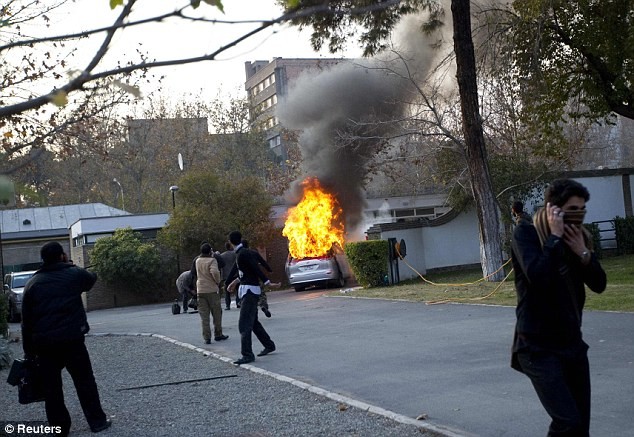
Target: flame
{"type": "Point", "coordinates": [315, 224]}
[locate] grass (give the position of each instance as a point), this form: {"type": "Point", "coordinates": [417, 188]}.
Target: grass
{"type": "Point", "coordinates": [618, 296]}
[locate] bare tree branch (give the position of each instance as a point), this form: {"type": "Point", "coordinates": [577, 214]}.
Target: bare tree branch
{"type": "Point", "coordinates": [86, 76]}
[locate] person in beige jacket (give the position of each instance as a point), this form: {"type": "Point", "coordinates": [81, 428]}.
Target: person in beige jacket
{"type": "Point", "coordinates": [208, 286]}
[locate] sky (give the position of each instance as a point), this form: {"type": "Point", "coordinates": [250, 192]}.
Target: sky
{"type": "Point", "coordinates": [176, 39]}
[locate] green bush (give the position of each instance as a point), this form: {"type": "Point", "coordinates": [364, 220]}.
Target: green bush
{"type": "Point", "coordinates": [4, 313]}
{"type": "Point", "coordinates": [368, 261]}
{"type": "Point", "coordinates": [124, 260]}
{"type": "Point", "coordinates": [593, 228]}
{"type": "Point", "coordinates": [624, 229]}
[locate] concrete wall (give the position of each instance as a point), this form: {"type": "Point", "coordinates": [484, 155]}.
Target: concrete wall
{"type": "Point", "coordinates": [451, 244]}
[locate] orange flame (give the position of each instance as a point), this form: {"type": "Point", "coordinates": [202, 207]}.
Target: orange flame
{"type": "Point", "coordinates": [315, 224]}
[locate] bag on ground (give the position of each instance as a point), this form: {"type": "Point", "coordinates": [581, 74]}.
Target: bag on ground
{"type": "Point", "coordinates": [176, 308]}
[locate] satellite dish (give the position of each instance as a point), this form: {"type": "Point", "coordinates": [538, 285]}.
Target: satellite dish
{"type": "Point", "coordinates": [180, 161]}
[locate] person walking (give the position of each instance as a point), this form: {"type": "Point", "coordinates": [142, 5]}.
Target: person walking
{"type": "Point", "coordinates": [263, 301]}
{"type": "Point", "coordinates": [54, 325]}
{"type": "Point", "coordinates": [208, 291]}
{"type": "Point", "coordinates": [553, 259]}
{"type": "Point", "coordinates": [249, 274]}
{"type": "Point", "coordinates": [185, 286]}
{"type": "Point", "coordinates": [229, 259]}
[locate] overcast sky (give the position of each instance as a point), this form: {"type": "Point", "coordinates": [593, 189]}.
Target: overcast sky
{"type": "Point", "coordinates": [174, 39]}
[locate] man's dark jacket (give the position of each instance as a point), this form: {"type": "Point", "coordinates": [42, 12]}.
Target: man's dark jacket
{"type": "Point", "coordinates": [52, 308]}
{"type": "Point", "coordinates": [550, 290]}
{"type": "Point", "coordinates": [247, 264]}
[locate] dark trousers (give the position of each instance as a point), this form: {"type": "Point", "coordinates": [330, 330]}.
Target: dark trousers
{"type": "Point", "coordinates": [562, 383]}
{"type": "Point", "coordinates": [185, 297]}
{"type": "Point", "coordinates": [227, 295]}
{"type": "Point", "coordinates": [249, 322]}
{"type": "Point", "coordinates": [74, 357]}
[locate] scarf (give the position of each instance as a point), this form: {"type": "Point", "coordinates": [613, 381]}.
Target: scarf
{"type": "Point", "coordinates": [570, 218]}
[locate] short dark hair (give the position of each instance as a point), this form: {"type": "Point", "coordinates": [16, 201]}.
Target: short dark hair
{"type": "Point", "coordinates": [518, 206]}
{"type": "Point", "coordinates": [227, 245]}
{"type": "Point", "coordinates": [235, 237]}
{"type": "Point", "coordinates": [561, 190]}
{"type": "Point", "coordinates": [51, 252]}
{"type": "Point", "coordinates": [205, 249]}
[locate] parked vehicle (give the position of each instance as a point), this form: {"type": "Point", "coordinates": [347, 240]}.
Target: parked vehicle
{"type": "Point", "coordinates": [320, 271]}
{"type": "Point", "coordinates": [13, 288]}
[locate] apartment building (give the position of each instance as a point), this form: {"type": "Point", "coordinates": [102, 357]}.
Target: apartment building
{"type": "Point", "coordinates": [268, 81]}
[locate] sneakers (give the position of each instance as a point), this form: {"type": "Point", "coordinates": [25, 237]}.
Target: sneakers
{"type": "Point", "coordinates": [227, 308]}
{"type": "Point", "coordinates": [266, 312]}
{"type": "Point", "coordinates": [208, 341]}
{"type": "Point", "coordinates": [244, 360]}
{"type": "Point", "coordinates": [222, 337]}
{"type": "Point", "coordinates": [266, 351]}
{"type": "Point", "coordinates": [101, 427]}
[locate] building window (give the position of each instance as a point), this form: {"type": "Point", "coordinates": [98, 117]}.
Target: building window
{"type": "Point", "coordinates": [426, 212]}
{"type": "Point", "coordinates": [404, 213]}
{"type": "Point", "coordinates": [275, 141]}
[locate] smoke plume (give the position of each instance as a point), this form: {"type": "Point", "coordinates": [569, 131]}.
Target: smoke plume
{"type": "Point", "coordinates": [345, 114]}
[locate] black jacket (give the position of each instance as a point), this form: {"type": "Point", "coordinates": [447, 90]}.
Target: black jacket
{"type": "Point", "coordinates": [52, 308]}
{"type": "Point", "coordinates": [247, 267]}
{"type": "Point", "coordinates": [550, 290]}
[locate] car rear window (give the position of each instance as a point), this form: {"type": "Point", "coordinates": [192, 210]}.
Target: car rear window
{"type": "Point", "coordinates": [318, 258]}
{"type": "Point", "coordinates": [20, 281]}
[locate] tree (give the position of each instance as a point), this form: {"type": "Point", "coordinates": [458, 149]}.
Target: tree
{"type": "Point", "coordinates": [126, 261]}
{"type": "Point", "coordinates": [209, 208]}
{"type": "Point", "coordinates": [487, 208]}
{"type": "Point", "coordinates": [575, 58]}
{"type": "Point", "coordinates": [335, 27]}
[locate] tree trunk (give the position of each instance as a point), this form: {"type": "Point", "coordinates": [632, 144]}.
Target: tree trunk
{"type": "Point", "coordinates": [486, 204]}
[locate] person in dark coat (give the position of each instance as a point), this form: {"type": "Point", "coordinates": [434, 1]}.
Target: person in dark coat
{"type": "Point", "coordinates": [54, 324]}
{"type": "Point", "coordinates": [553, 262]}
{"type": "Point", "coordinates": [519, 215]}
{"type": "Point", "coordinates": [186, 287]}
{"type": "Point", "coordinates": [263, 301]}
{"type": "Point", "coordinates": [229, 258]}
{"type": "Point", "coordinates": [249, 274]}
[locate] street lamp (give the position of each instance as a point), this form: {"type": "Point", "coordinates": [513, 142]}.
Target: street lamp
{"type": "Point", "coordinates": [173, 189]}
{"type": "Point", "coordinates": [121, 188]}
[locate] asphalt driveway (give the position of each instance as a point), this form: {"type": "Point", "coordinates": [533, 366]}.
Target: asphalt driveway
{"type": "Point", "coordinates": [448, 362]}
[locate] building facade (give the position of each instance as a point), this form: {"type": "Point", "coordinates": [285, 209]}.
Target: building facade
{"type": "Point", "coordinates": [268, 81]}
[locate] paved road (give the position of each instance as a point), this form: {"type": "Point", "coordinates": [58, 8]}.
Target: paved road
{"type": "Point", "coordinates": [449, 362]}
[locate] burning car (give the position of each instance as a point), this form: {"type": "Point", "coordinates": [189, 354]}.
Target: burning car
{"type": "Point", "coordinates": [320, 270]}
{"type": "Point", "coordinates": [315, 231]}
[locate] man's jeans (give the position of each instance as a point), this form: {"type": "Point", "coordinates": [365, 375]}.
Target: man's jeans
{"type": "Point", "coordinates": [562, 383]}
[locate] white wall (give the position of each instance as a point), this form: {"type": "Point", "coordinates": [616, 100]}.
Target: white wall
{"type": "Point", "coordinates": [454, 243]}
{"type": "Point", "coordinates": [415, 252]}
{"type": "Point", "coordinates": [606, 197]}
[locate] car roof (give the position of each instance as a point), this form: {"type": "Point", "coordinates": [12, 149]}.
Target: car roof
{"type": "Point", "coordinates": [23, 273]}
